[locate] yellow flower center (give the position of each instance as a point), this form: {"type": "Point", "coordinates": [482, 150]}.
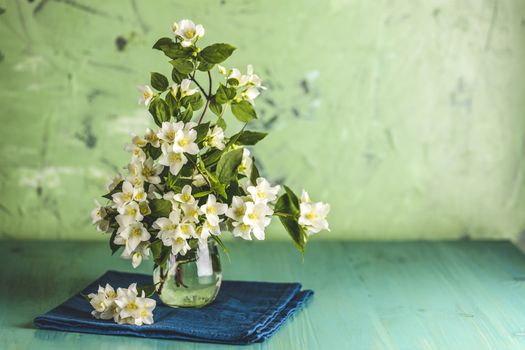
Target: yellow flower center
{"type": "Point", "coordinates": [143, 313]}
{"type": "Point", "coordinates": [311, 215]}
{"type": "Point", "coordinates": [211, 210]}
{"type": "Point", "coordinates": [132, 306]}
{"type": "Point", "coordinates": [131, 211]}
{"type": "Point", "coordinates": [239, 211]}
{"type": "Point", "coordinates": [127, 196]}
{"type": "Point", "coordinates": [136, 232]}
{"type": "Point", "coordinates": [260, 194]}
{"type": "Point", "coordinates": [146, 95]}
{"type": "Point", "coordinates": [189, 33]}
{"type": "Point", "coordinates": [111, 294]}
{"type": "Point", "coordinates": [183, 142]}
{"type": "Point", "coordinates": [175, 157]}
{"type": "Point", "coordinates": [147, 172]}
{"type": "Point", "coordinates": [252, 216]}
{"type": "Point", "coordinates": [186, 197]}
{"type": "Point", "coordinates": [179, 240]}
{"type": "Point", "coordinates": [170, 134]}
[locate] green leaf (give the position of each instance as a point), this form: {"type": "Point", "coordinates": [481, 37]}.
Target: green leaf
{"type": "Point", "coordinates": [221, 123]}
{"type": "Point", "coordinates": [255, 173]}
{"type": "Point", "coordinates": [295, 231]}
{"type": "Point", "coordinates": [201, 194]}
{"type": "Point", "coordinates": [159, 252]}
{"type": "Point", "coordinates": [163, 42]}
{"type": "Point", "coordinates": [172, 104]}
{"type": "Point", "coordinates": [171, 49]}
{"type": "Point", "coordinates": [294, 199]}
{"type": "Point", "coordinates": [117, 188]}
{"type": "Point", "coordinates": [224, 94]}
{"type": "Point", "coordinates": [250, 138]}
{"type": "Point", "coordinates": [228, 164]}
{"type": "Point", "coordinates": [160, 111]}
{"type": "Point", "coordinates": [220, 243]}
{"type": "Point", "coordinates": [205, 66]}
{"type": "Point", "coordinates": [159, 81]}
{"type": "Point", "coordinates": [114, 247]}
{"type": "Point", "coordinates": [243, 111]}
{"type": "Point", "coordinates": [153, 152]}
{"type": "Point", "coordinates": [148, 290]}
{"type": "Point", "coordinates": [217, 53]}
{"type": "Point", "coordinates": [215, 107]}
{"type": "Point", "coordinates": [182, 65]}
{"type": "Point", "coordinates": [177, 77]}
{"type": "Point", "coordinates": [160, 208]}
{"type": "Point", "coordinates": [202, 131]}
{"type": "Point", "coordinates": [194, 100]}
{"type": "Point", "coordinates": [187, 114]}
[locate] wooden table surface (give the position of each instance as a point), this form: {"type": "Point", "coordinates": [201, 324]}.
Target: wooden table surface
{"type": "Point", "coordinates": [369, 295]}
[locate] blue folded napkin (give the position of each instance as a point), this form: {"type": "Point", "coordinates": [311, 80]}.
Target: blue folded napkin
{"type": "Point", "coordinates": [242, 313]}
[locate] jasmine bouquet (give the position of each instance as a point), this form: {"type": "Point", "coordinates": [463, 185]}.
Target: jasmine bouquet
{"type": "Point", "coordinates": [188, 182]}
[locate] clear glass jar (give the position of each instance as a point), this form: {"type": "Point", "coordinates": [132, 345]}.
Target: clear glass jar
{"type": "Point", "coordinates": [192, 280]}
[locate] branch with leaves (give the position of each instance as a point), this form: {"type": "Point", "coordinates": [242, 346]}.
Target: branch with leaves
{"type": "Point", "coordinates": [187, 181]}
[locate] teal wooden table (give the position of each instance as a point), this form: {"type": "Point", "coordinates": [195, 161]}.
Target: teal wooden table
{"type": "Point", "coordinates": [369, 295]}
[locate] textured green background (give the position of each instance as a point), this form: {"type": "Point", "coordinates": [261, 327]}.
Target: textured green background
{"type": "Point", "coordinates": [408, 117]}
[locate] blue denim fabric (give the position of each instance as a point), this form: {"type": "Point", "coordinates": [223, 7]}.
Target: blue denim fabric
{"type": "Point", "coordinates": [242, 313]}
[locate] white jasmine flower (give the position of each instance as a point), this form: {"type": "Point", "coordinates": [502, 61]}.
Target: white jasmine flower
{"type": "Point", "coordinates": [137, 153]}
{"type": "Point", "coordinates": [138, 194]}
{"type": "Point", "coordinates": [191, 212]}
{"type": "Point", "coordinates": [221, 69]}
{"type": "Point", "coordinates": [187, 31]}
{"type": "Point", "coordinates": [103, 302]}
{"type": "Point", "coordinates": [198, 180]}
{"type": "Point", "coordinates": [152, 138]}
{"type": "Point", "coordinates": [144, 208]}
{"type": "Point", "coordinates": [185, 230]}
{"type": "Point", "coordinates": [313, 215]}
{"type": "Point", "coordinates": [256, 217]}
{"type": "Point", "coordinates": [146, 94]}
{"type": "Point", "coordinates": [250, 94]}
{"type": "Point", "coordinates": [184, 89]}
{"type": "Point", "coordinates": [168, 131]}
{"type": "Point", "coordinates": [151, 172]}
{"type": "Point", "coordinates": [185, 142]}
{"type": "Point", "coordinates": [305, 198]}
{"type": "Point", "coordinates": [145, 313]}
{"type": "Point", "coordinates": [234, 77]}
{"type": "Point", "coordinates": [117, 179]}
{"type": "Point", "coordinates": [167, 226]}
{"type": "Point", "coordinates": [250, 78]}
{"type": "Point", "coordinates": [246, 165]}
{"type": "Point", "coordinates": [125, 196]}
{"type": "Point", "coordinates": [263, 192]}
{"type": "Point", "coordinates": [185, 195]}
{"type": "Point", "coordinates": [207, 229]}
{"type": "Point", "coordinates": [212, 209]}
{"type": "Point", "coordinates": [135, 174]}
{"type": "Point", "coordinates": [180, 246]}
{"type": "Point", "coordinates": [215, 137]}
{"type": "Point", "coordinates": [172, 159]}
{"type": "Point", "coordinates": [134, 234]}
{"type": "Point", "coordinates": [129, 213]}
{"type": "Point", "coordinates": [242, 230]}
{"type": "Point", "coordinates": [140, 253]}
{"type": "Point", "coordinates": [99, 217]}
{"type": "Point", "coordinates": [127, 304]}
{"type": "Point", "coordinates": [237, 209]}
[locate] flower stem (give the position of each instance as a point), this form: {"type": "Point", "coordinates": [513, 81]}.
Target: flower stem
{"type": "Point", "coordinates": [208, 98]}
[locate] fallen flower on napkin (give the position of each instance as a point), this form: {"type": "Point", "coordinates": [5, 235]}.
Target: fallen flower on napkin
{"type": "Point", "coordinates": [124, 307]}
{"type": "Point", "coordinates": [243, 312]}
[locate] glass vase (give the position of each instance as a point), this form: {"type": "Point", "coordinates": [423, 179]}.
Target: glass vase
{"type": "Point", "coordinates": [192, 280]}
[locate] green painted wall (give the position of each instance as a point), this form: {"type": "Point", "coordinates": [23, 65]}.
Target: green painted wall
{"type": "Point", "coordinates": [407, 116]}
